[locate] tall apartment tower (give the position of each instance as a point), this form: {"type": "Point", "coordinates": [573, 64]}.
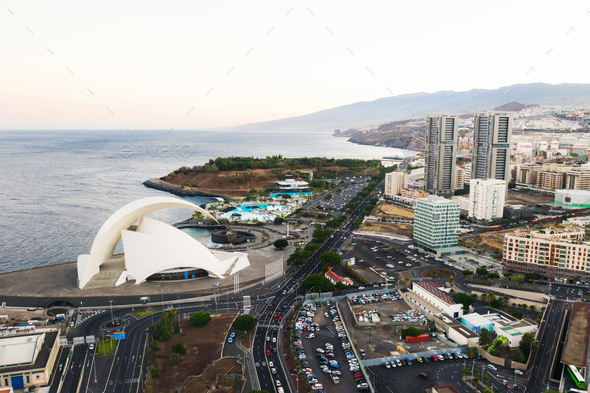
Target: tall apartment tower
{"type": "Point", "coordinates": [441, 153]}
{"type": "Point", "coordinates": [492, 134]}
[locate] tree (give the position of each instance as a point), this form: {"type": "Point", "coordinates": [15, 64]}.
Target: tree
{"type": "Point", "coordinates": [493, 275]}
{"type": "Point", "coordinates": [517, 280]}
{"type": "Point", "coordinates": [318, 283]}
{"type": "Point", "coordinates": [244, 322]}
{"type": "Point", "coordinates": [280, 243]}
{"type": "Point", "coordinates": [473, 351]}
{"type": "Point", "coordinates": [486, 390]}
{"type": "Point", "coordinates": [154, 371]}
{"type": "Point", "coordinates": [490, 297]}
{"type": "Point", "coordinates": [330, 257]}
{"type": "Point", "coordinates": [340, 285]}
{"type": "Point", "coordinates": [507, 274]}
{"type": "Point", "coordinates": [485, 338]}
{"type": "Point", "coordinates": [311, 247]}
{"type": "Point", "coordinates": [411, 331]}
{"type": "Point", "coordinates": [465, 371]}
{"type": "Point", "coordinates": [178, 347]}
{"type": "Point", "coordinates": [526, 343]}
{"type": "Point", "coordinates": [475, 380]}
{"type": "Point", "coordinates": [482, 271]}
{"type": "Point", "coordinates": [517, 314]}
{"type": "Point", "coordinates": [407, 281]}
{"type": "Point", "coordinates": [464, 299]}
{"type": "Point", "coordinates": [518, 356]}
{"type": "Point", "coordinates": [486, 378]}
{"type": "Point", "coordinates": [467, 272]}
{"type": "Point", "coordinates": [451, 282]}
{"type": "Point", "coordinates": [279, 220]}
{"type": "Point", "coordinates": [532, 307]}
{"type": "Point", "coordinates": [200, 318]}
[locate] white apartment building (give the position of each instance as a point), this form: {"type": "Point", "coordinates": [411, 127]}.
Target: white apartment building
{"type": "Point", "coordinates": [486, 199]}
{"type": "Point", "coordinates": [433, 294]}
{"type": "Point", "coordinates": [395, 182]}
{"type": "Point", "coordinates": [552, 252]}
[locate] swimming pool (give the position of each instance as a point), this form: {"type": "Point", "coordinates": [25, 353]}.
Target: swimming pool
{"type": "Point", "coordinates": [258, 211]}
{"type": "Point", "coordinates": [276, 195]}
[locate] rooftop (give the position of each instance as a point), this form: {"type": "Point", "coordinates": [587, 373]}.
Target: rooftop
{"type": "Point", "coordinates": [19, 350]}
{"type": "Point", "coordinates": [331, 275]}
{"type": "Point", "coordinates": [42, 357]}
{"type": "Point", "coordinates": [433, 288]}
{"type": "Point", "coordinates": [575, 350]}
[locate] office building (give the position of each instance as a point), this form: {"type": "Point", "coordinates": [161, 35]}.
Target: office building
{"type": "Point", "coordinates": [395, 182]}
{"type": "Point", "coordinates": [492, 135]}
{"type": "Point", "coordinates": [441, 152]}
{"type": "Point", "coordinates": [486, 199]}
{"type": "Point", "coordinates": [551, 252]}
{"type": "Point", "coordinates": [436, 225]}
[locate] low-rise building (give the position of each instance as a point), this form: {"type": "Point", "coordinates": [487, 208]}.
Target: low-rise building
{"type": "Point", "coordinates": [335, 279]}
{"type": "Point", "coordinates": [552, 252]}
{"type": "Point", "coordinates": [573, 199]}
{"type": "Point", "coordinates": [517, 212]}
{"type": "Point", "coordinates": [434, 294]}
{"type": "Point", "coordinates": [291, 185]}
{"type": "Point", "coordinates": [27, 360]}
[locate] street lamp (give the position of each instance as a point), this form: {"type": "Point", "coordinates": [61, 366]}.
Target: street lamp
{"type": "Point", "coordinates": [295, 375]}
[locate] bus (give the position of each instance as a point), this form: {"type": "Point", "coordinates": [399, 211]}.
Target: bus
{"type": "Point", "coordinates": [576, 376]}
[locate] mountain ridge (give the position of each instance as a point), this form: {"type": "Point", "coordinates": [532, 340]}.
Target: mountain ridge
{"type": "Point", "coordinates": [415, 105]}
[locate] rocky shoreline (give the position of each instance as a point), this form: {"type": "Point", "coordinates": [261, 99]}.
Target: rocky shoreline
{"type": "Point", "coordinates": [179, 191]}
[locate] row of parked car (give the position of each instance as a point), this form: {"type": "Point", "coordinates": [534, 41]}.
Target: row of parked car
{"type": "Point", "coordinates": [374, 298]}
{"type": "Point", "coordinates": [425, 359]}
{"type": "Point", "coordinates": [353, 362]}
{"type": "Point", "coordinates": [302, 324]}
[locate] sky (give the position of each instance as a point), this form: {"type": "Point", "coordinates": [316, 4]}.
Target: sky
{"type": "Point", "coordinates": [205, 64]}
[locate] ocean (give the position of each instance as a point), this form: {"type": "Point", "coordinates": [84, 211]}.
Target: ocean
{"type": "Point", "coordinates": [58, 187]}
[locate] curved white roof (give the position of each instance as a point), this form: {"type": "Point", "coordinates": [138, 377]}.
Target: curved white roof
{"type": "Point", "coordinates": [109, 234]}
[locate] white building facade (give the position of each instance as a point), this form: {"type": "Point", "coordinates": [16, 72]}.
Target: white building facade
{"type": "Point", "coordinates": [395, 182]}
{"type": "Point", "coordinates": [433, 294]}
{"type": "Point", "coordinates": [486, 199]}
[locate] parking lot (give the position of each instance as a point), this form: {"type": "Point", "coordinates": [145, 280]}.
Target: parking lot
{"type": "Point", "coordinates": [327, 334]}
{"type": "Point", "coordinates": [382, 258]}
{"type": "Point", "coordinates": [447, 372]}
{"type": "Point", "coordinates": [338, 199]}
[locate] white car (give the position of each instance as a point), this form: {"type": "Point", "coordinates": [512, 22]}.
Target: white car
{"type": "Point", "coordinates": [320, 350]}
{"type": "Point", "coordinates": [271, 364]}
{"type": "Point", "coordinates": [274, 339]}
{"type": "Point", "coordinates": [518, 372]}
{"type": "Point", "coordinates": [491, 367]}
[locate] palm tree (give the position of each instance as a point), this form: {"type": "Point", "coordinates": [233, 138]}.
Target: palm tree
{"type": "Point", "coordinates": [407, 281]}
{"type": "Point", "coordinates": [451, 282]}
{"type": "Point", "coordinates": [465, 371]}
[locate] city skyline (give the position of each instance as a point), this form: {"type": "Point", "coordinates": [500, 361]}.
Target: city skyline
{"type": "Point", "coordinates": [157, 67]}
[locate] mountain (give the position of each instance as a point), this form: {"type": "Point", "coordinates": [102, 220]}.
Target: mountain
{"type": "Point", "coordinates": [418, 105]}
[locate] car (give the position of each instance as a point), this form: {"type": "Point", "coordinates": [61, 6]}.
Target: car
{"type": "Point", "coordinates": [274, 339]}
{"type": "Point", "coordinates": [387, 365]}
{"type": "Point", "coordinates": [230, 340]}
{"type": "Point", "coordinates": [491, 367]}
{"type": "Point", "coordinates": [271, 364]}
{"type": "Point", "coordinates": [434, 357]}
{"type": "Point", "coordinates": [409, 362]}
{"type": "Point", "coordinates": [440, 357]}
{"type": "Point", "coordinates": [419, 360]}
{"type": "Point", "coordinates": [425, 359]}
{"type": "Point", "coordinates": [361, 287]}
{"type": "Point", "coordinates": [329, 346]}
{"type": "Point", "coordinates": [273, 370]}
{"type": "Point", "coordinates": [267, 352]}
{"type": "Point", "coordinates": [280, 317]}
{"type": "Point", "coordinates": [336, 372]}
{"type": "Point", "coordinates": [423, 376]}
{"type": "Point", "coordinates": [404, 362]}
{"type": "Point", "coordinates": [278, 383]}
{"type": "Point", "coordinates": [518, 372]}
{"type": "Point", "coordinates": [267, 338]}
{"type": "Point", "coordinates": [217, 284]}
{"type": "Point", "coordinates": [398, 362]}
{"type": "Point", "coordinates": [91, 347]}
{"type": "Point", "coordinates": [233, 334]}
{"type": "Point", "coordinates": [274, 316]}
{"type": "Point", "coordinates": [320, 350]}
{"type": "Point", "coordinates": [72, 324]}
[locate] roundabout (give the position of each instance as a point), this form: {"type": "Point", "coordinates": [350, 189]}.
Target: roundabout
{"type": "Point", "coordinates": [439, 274]}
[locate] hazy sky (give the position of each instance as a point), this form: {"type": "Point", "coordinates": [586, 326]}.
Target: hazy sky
{"type": "Point", "coordinates": [151, 62]}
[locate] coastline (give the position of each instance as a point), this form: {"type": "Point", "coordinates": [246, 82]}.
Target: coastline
{"type": "Point", "coordinates": [158, 185]}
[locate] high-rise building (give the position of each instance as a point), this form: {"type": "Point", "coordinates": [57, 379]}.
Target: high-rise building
{"type": "Point", "coordinates": [441, 152]}
{"type": "Point", "coordinates": [395, 182]}
{"type": "Point", "coordinates": [492, 134]}
{"type": "Point", "coordinates": [436, 224]}
{"type": "Point", "coordinates": [486, 199]}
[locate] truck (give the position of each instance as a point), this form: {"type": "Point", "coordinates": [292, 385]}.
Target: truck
{"type": "Point", "coordinates": [335, 378]}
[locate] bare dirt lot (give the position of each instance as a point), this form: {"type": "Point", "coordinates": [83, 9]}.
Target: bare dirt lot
{"type": "Point", "coordinates": [386, 227]}
{"type": "Point", "coordinates": [439, 274]}
{"type": "Point", "coordinates": [521, 198]}
{"type": "Point", "coordinates": [491, 241]}
{"type": "Point", "coordinates": [203, 346]}
{"type": "Point", "coordinates": [391, 211]}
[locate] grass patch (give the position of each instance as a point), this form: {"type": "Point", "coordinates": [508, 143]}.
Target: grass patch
{"type": "Point", "coordinates": [106, 347]}
{"type": "Point", "coordinates": [144, 313]}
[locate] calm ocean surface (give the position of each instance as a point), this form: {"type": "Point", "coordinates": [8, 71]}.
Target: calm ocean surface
{"type": "Point", "coordinates": [58, 187]}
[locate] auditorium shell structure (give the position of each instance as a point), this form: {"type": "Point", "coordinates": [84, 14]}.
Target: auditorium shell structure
{"type": "Point", "coordinates": [155, 248]}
